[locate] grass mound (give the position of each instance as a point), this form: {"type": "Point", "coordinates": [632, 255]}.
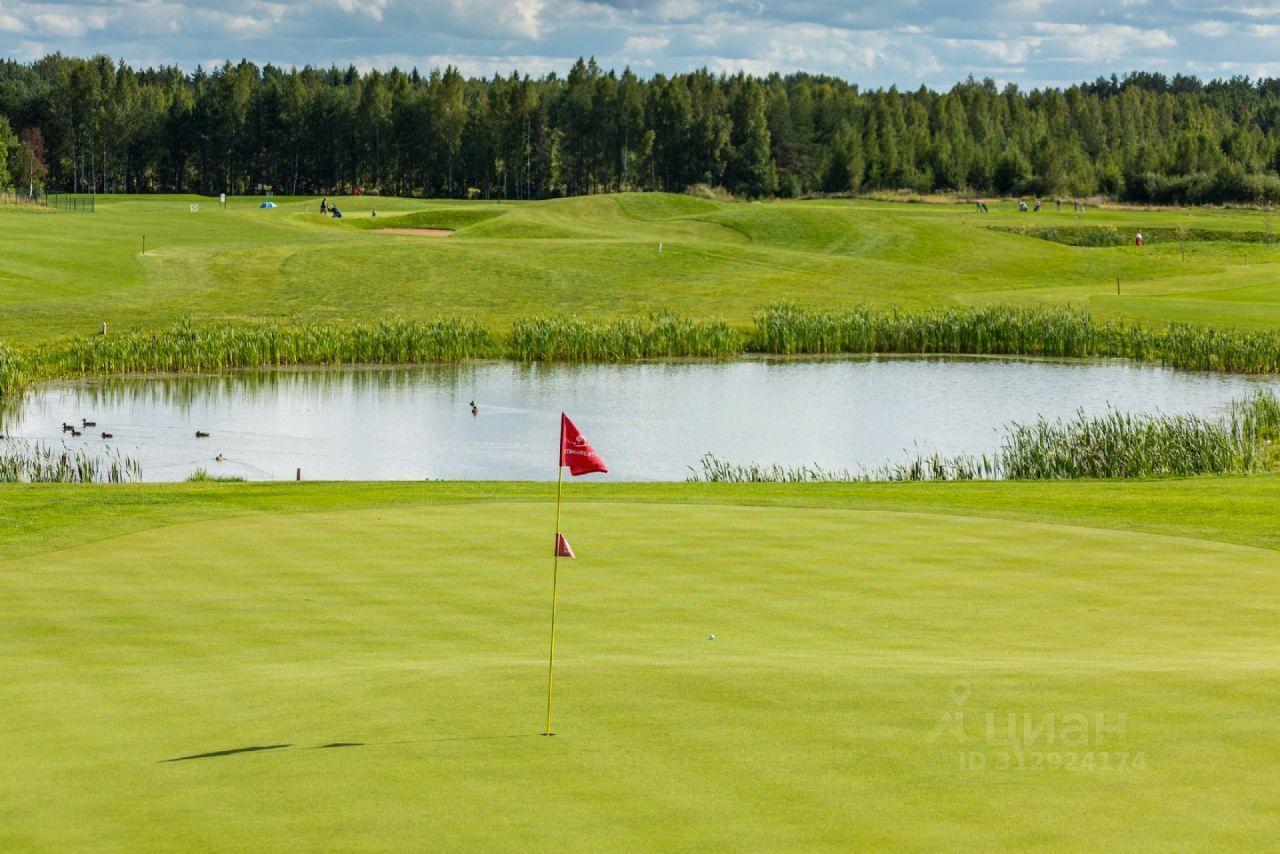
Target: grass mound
{"type": "Point", "coordinates": [653, 207]}
{"type": "Point", "coordinates": [448, 219]}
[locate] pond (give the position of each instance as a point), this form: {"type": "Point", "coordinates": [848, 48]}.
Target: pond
{"type": "Point", "coordinates": [650, 421]}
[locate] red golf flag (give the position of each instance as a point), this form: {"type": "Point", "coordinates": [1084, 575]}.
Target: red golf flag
{"type": "Point", "coordinates": [576, 452]}
{"type": "Point", "coordinates": [562, 547]}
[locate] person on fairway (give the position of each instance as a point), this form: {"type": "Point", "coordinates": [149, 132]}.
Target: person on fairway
{"type": "Point", "coordinates": [324, 205]}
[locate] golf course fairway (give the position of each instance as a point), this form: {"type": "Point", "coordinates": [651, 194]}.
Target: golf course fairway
{"type": "Point", "coordinates": [145, 262]}
{"type": "Point", "coordinates": [928, 666]}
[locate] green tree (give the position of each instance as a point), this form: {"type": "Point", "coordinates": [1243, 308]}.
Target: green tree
{"type": "Point", "coordinates": [8, 149]}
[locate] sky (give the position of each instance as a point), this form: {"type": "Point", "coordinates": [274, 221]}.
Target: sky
{"type": "Point", "coordinates": [876, 43]}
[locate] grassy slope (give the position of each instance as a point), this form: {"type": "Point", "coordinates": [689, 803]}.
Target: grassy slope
{"type": "Point", "coordinates": [148, 623]}
{"type": "Point", "coordinates": [64, 274]}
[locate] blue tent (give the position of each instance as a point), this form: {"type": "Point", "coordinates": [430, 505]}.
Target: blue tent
{"type": "Point", "coordinates": [267, 205]}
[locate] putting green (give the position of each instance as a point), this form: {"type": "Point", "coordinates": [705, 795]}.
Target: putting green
{"type": "Point", "coordinates": [823, 714]}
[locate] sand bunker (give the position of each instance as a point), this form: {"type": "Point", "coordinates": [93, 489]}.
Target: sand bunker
{"type": "Point", "coordinates": [420, 232]}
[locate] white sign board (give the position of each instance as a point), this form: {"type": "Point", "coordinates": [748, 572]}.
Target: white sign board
{"type": "Point", "coordinates": [222, 199]}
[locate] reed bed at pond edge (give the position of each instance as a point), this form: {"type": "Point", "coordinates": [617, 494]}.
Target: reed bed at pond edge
{"type": "Point", "coordinates": [35, 462]}
{"type": "Point", "coordinates": [1114, 445]}
{"type": "Point", "coordinates": [658, 336]}
{"type": "Point", "coordinates": [1008, 331]}
{"type": "Point", "coordinates": [188, 347]}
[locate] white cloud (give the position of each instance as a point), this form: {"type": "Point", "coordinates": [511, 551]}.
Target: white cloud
{"type": "Point", "coordinates": [732, 65]}
{"type": "Point", "coordinates": [642, 51]}
{"type": "Point", "coordinates": [505, 18]}
{"type": "Point", "coordinates": [680, 10]}
{"type": "Point", "coordinates": [1011, 51]}
{"type": "Point", "coordinates": [374, 9]}
{"type": "Point", "coordinates": [644, 44]}
{"type": "Point", "coordinates": [28, 50]}
{"type": "Point", "coordinates": [1266, 10]}
{"type": "Point", "coordinates": [1101, 43]}
{"type": "Point", "coordinates": [1211, 29]}
{"type": "Point", "coordinates": [487, 66]}
{"type": "Point", "coordinates": [62, 24]}
{"type": "Point", "coordinates": [904, 42]}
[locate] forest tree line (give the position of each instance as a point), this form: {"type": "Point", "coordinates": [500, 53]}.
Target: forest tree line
{"type": "Point", "coordinates": [100, 125]}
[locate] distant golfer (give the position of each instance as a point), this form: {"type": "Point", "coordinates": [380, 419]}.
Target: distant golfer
{"type": "Point", "coordinates": [324, 205]}
{"type": "Point", "coordinates": [1137, 240]}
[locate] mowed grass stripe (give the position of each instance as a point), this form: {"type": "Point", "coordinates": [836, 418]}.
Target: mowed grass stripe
{"type": "Point", "coordinates": [42, 518]}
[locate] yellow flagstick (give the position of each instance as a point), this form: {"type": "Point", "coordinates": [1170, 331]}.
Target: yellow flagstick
{"type": "Point", "coordinates": [555, 571]}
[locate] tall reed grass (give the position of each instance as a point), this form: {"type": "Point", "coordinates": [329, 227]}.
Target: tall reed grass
{"type": "Point", "coordinates": [571, 339]}
{"type": "Point", "coordinates": [1008, 331]}
{"type": "Point", "coordinates": [203, 475]}
{"type": "Point", "coordinates": [188, 347]}
{"type": "Point", "coordinates": [12, 371]}
{"type": "Point", "coordinates": [712, 469]}
{"type": "Point", "coordinates": [34, 462]}
{"type": "Point", "coordinates": [1113, 445]}
{"type": "Point", "coordinates": [1121, 445]}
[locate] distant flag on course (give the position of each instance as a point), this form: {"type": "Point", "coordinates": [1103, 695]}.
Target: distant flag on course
{"type": "Point", "coordinates": [562, 547]}
{"type": "Point", "coordinates": [576, 452]}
